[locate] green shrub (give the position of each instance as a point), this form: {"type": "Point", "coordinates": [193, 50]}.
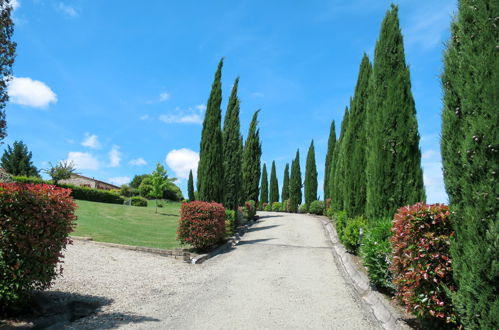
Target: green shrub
{"type": "Point", "coordinates": [286, 205]}
{"type": "Point", "coordinates": [268, 208]}
{"type": "Point", "coordinates": [316, 207]}
{"type": "Point", "coordinates": [277, 207]}
{"type": "Point", "coordinates": [351, 234]}
{"type": "Point", "coordinates": [330, 213]}
{"type": "Point", "coordinates": [376, 252]}
{"type": "Point", "coordinates": [340, 220]}
{"type": "Point", "coordinates": [303, 208]}
{"type": "Point", "coordinates": [160, 204]}
{"type": "Point", "coordinates": [127, 191]}
{"type": "Point", "coordinates": [139, 201]}
{"type": "Point", "coordinates": [230, 222]}
{"type": "Point", "coordinates": [35, 221]}
{"type": "Point", "coordinates": [249, 210]}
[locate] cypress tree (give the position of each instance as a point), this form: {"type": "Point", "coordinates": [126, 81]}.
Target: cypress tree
{"type": "Point", "coordinates": [232, 149]}
{"type": "Point", "coordinates": [264, 187]}
{"type": "Point", "coordinates": [355, 145]}
{"type": "Point", "coordinates": [7, 56]}
{"type": "Point", "coordinates": [310, 176]}
{"type": "Point", "coordinates": [16, 160]}
{"type": "Point", "coordinates": [251, 161]}
{"type": "Point", "coordinates": [285, 184]}
{"type": "Point", "coordinates": [295, 184]}
{"type": "Point", "coordinates": [274, 185]}
{"type": "Point", "coordinates": [337, 177]}
{"type": "Point", "coordinates": [190, 187]}
{"type": "Point", "coordinates": [331, 142]}
{"type": "Point", "coordinates": [469, 145]}
{"type": "Point", "coordinates": [210, 168]}
{"type": "Point", "coordinates": [394, 174]}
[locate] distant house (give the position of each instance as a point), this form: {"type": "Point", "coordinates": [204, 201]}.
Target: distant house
{"type": "Point", "coordinates": [83, 181]}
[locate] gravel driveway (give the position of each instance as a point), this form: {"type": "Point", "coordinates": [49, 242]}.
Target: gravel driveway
{"type": "Point", "coordinates": [282, 275]}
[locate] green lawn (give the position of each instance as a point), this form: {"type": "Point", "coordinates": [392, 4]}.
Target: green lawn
{"type": "Point", "coordinates": [130, 225]}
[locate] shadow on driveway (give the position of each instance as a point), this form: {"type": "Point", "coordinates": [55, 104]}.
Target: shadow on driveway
{"type": "Point", "coordinates": [254, 241]}
{"type": "Point", "coordinates": [252, 229]}
{"type": "Point", "coordinates": [269, 216]}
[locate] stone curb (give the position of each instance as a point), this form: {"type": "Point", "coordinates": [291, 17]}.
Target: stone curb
{"type": "Point", "coordinates": [387, 316]}
{"type": "Point", "coordinates": [231, 242]}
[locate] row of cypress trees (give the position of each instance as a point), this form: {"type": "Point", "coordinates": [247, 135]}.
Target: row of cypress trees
{"type": "Point", "coordinates": [228, 172]}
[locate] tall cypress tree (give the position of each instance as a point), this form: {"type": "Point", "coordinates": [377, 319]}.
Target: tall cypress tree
{"type": "Point", "coordinates": [190, 187]}
{"type": "Point", "coordinates": [16, 160]}
{"type": "Point", "coordinates": [264, 187]}
{"type": "Point", "coordinates": [355, 145]}
{"type": "Point", "coordinates": [310, 176]}
{"type": "Point", "coordinates": [251, 161]}
{"type": "Point", "coordinates": [470, 144]}
{"type": "Point", "coordinates": [274, 185]}
{"type": "Point", "coordinates": [394, 174]}
{"type": "Point", "coordinates": [295, 183]}
{"type": "Point", "coordinates": [337, 177]}
{"type": "Point", "coordinates": [285, 184]}
{"type": "Point", "coordinates": [7, 56]}
{"type": "Point", "coordinates": [331, 142]}
{"type": "Point", "coordinates": [210, 168]}
{"type": "Point", "coordinates": [232, 148]}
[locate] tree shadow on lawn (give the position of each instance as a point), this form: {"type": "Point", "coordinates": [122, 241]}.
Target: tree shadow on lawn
{"type": "Point", "coordinates": [252, 229]}
{"type": "Point", "coordinates": [58, 309]}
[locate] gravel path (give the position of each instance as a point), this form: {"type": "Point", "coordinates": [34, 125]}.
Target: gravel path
{"type": "Point", "coordinates": [282, 275]}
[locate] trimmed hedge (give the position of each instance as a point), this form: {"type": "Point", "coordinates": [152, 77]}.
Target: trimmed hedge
{"type": "Point", "coordinates": [268, 207]}
{"type": "Point", "coordinates": [201, 224]}
{"type": "Point", "coordinates": [276, 207]}
{"type": "Point", "coordinates": [316, 207]}
{"type": "Point", "coordinates": [422, 265]}
{"type": "Point", "coordinates": [77, 192]}
{"type": "Point", "coordinates": [140, 201]}
{"type": "Point", "coordinates": [351, 234]}
{"type": "Point", "coordinates": [35, 221]}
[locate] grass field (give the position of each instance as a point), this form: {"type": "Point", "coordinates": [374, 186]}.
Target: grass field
{"type": "Point", "coordinates": [130, 225]}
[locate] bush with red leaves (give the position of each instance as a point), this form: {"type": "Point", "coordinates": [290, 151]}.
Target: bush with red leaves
{"type": "Point", "coordinates": [35, 221]}
{"type": "Point", "coordinates": [201, 224]}
{"type": "Point", "coordinates": [422, 266]}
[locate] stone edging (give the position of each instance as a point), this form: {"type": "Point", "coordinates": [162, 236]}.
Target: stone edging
{"type": "Point", "coordinates": [387, 316]}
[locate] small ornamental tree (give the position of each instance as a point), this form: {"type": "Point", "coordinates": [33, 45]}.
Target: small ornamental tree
{"type": "Point", "coordinates": [264, 187]}
{"type": "Point", "coordinates": [201, 224]}
{"type": "Point", "coordinates": [422, 265]}
{"type": "Point", "coordinates": [190, 188]}
{"type": "Point", "coordinates": [61, 171]}
{"type": "Point", "coordinates": [35, 221]}
{"type": "Point", "coordinates": [274, 185]}
{"type": "Point", "coordinates": [285, 184]}
{"type": "Point", "coordinates": [310, 176]}
{"type": "Point", "coordinates": [16, 160]}
{"type": "Point", "coordinates": [159, 182]}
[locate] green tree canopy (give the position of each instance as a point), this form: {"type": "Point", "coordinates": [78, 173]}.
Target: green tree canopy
{"type": "Point", "coordinates": [190, 187]}
{"type": "Point", "coordinates": [331, 142]}
{"type": "Point", "coordinates": [274, 185]}
{"type": "Point", "coordinates": [310, 176]}
{"type": "Point", "coordinates": [7, 56]}
{"type": "Point", "coordinates": [16, 160]}
{"type": "Point", "coordinates": [264, 187]}
{"type": "Point", "coordinates": [285, 184]}
{"type": "Point", "coordinates": [251, 161]}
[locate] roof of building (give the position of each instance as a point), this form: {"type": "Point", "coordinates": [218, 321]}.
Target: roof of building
{"type": "Point", "coordinates": [98, 181]}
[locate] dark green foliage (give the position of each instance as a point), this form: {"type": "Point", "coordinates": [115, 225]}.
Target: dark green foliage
{"type": "Point", "coordinates": [340, 220]}
{"type": "Point", "coordinates": [190, 187]}
{"type": "Point", "coordinates": [274, 185]}
{"type": "Point", "coordinates": [394, 174]}
{"type": "Point", "coordinates": [210, 168]}
{"type": "Point", "coordinates": [310, 176]}
{"type": "Point", "coordinates": [295, 184]}
{"type": "Point", "coordinates": [264, 187]}
{"type": "Point", "coordinates": [138, 201]}
{"type": "Point", "coordinates": [137, 180]}
{"type": "Point", "coordinates": [285, 184]}
{"type": "Point", "coordinates": [470, 144]}
{"type": "Point", "coordinates": [232, 149]}
{"type": "Point", "coordinates": [331, 142]}
{"type": "Point", "coordinates": [251, 161]}
{"type": "Point", "coordinates": [7, 56]}
{"type": "Point", "coordinates": [16, 160]}
{"type": "Point", "coordinates": [354, 144]}
{"type": "Point", "coordinates": [337, 177]}
{"type": "Point", "coordinates": [126, 191]}
{"type": "Point", "coordinates": [316, 207]}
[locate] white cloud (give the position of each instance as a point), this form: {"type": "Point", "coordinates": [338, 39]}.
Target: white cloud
{"type": "Point", "coordinates": [120, 180]}
{"type": "Point", "coordinates": [164, 96]}
{"type": "Point", "coordinates": [68, 10]}
{"type": "Point", "coordinates": [114, 157]}
{"type": "Point", "coordinates": [91, 141]}
{"type": "Point", "coordinates": [138, 162]}
{"type": "Point", "coordinates": [181, 161]}
{"type": "Point", "coordinates": [144, 117]}
{"type": "Point", "coordinates": [257, 94]}
{"type": "Point", "coordinates": [29, 92]}
{"type": "Point", "coordinates": [83, 160]}
{"type": "Point", "coordinates": [15, 4]}
{"type": "Point", "coordinates": [189, 116]}
{"type": "Point", "coordinates": [201, 107]}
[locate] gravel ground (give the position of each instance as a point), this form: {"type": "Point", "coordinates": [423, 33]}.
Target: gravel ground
{"type": "Point", "coordinates": [282, 275]}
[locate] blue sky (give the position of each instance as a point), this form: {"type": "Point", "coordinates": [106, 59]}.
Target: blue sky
{"type": "Point", "coordinates": [117, 86]}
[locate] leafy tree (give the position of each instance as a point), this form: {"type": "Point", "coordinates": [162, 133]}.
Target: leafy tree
{"type": "Point", "coordinates": [355, 145]}
{"type": "Point", "coordinates": [7, 56]}
{"type": "Point", "coordinates": [285, 184]}
{"type": "Point", "coordinates": [16, 161]}
{"type": "Point", "coordinates": [274, 185]}
{"type": "Point", "coordinates": [310, 176]}
{"type": "Point", "coordinates": [137, 180]}
{"type": "Point", "coordinates": [232, 149]}
{"type": "Point", "coordinates": [159, 183]}
{"type": "Point", "coordinates": [251, 161]}
{"type": "Point", "coordinates": [61, 171]}
{"type": "Point", "coordinates": [394, 174]}
{"type": "Point", "coordinates": [470, 144]}
{"type": "Point", "coordinates": [337, 176]}
{"type": "Point", "coordinates": [210, 168]}
{"type": "Point", "coordinates": [331, 142]}
{"type": "Point", "coordinates": [126, 190]}
{"type": "Point", "coordinates": [295, 184]}
{"type": "Point", "coordinates": [190, 187]}
{"type": "Point", "coordinates": [145, 187]}
{"type": "Point", "coordinates": [264, 187]}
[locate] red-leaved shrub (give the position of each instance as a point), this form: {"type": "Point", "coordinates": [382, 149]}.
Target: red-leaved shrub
{"type": "Point", "coordinates": [201, 224]}
{"type": "Point", "coordinates": [422, 267]}
{"type": "Point", "coordinates": [35, 221]}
